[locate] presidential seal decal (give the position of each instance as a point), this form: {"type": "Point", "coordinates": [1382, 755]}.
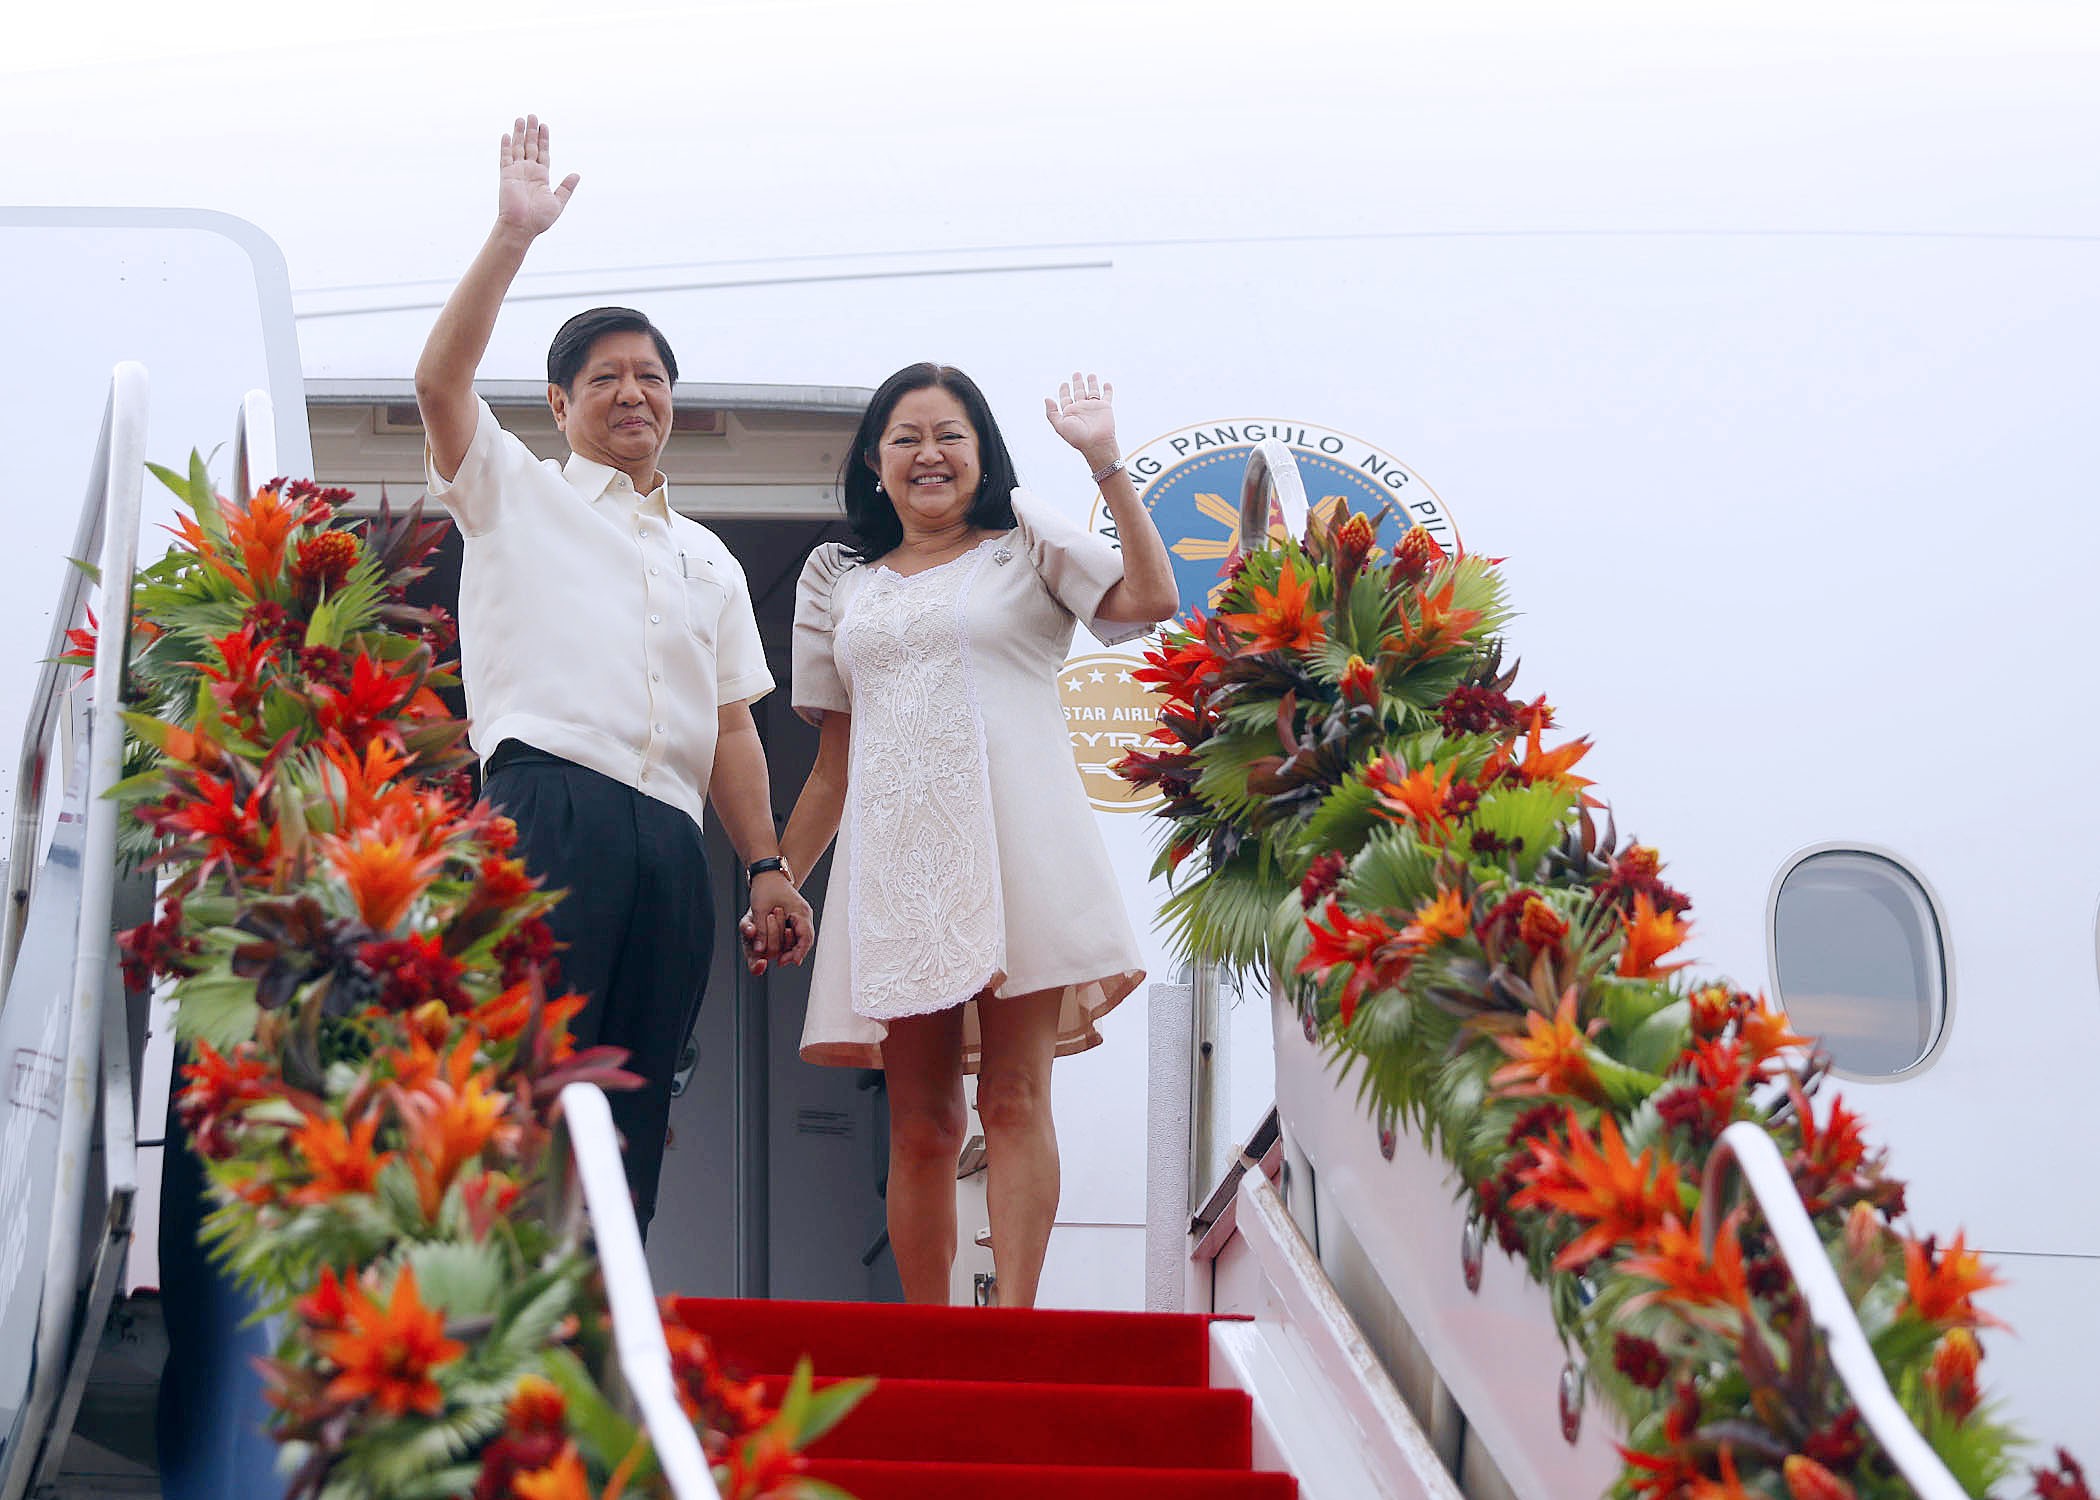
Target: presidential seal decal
{"type": "Point", "coordinates": [1190, 482]}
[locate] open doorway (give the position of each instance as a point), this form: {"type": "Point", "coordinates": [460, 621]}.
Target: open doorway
{"type": "Point", "coordinates": [773, 1175]}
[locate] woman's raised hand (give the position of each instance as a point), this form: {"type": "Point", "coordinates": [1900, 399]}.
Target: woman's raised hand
{"type": "Point", "coordinates": [1084, 414]}
{"type": "Point", "coordinates": [524, 199]}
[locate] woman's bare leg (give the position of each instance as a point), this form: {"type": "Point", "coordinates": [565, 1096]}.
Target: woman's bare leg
{"type": "Point", "coordinates": [1020, 1142]}
{"type": "Point", "coordinates": [922, 1061]}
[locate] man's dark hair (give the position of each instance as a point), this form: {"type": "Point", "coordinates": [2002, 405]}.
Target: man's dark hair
{"type": "Point", "coordinates": [573, 340]}
{"type": "Point", "coordinates": [876, 529]}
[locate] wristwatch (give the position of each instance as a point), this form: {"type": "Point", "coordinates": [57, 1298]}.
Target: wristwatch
{"type": "Point", "coordinates": [758, 867]}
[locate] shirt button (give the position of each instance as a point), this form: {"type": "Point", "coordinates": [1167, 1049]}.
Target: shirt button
{"type": "Point", "coordinates": [656, 619]}
{"type": "Point", "coordinates": [659, 729]}
{"type": "Point", "coordinates": [656, 677]}
{"type": "Point", "coordinates": [654, 571]}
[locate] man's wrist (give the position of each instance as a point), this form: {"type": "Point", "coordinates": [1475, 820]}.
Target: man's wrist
{"type": "Point", "coordinates": [771, 864]}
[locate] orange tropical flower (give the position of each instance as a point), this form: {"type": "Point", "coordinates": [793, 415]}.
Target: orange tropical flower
{"type": "Point", "coordinates": [1765, 1035]}
{"type": "Point", "coordinates": [1435, 626]}
{"type": "Point", "coordinates": [324, 1308]}
{"type": "Point", "coordinates": [340, 1159]}
{"type": "Point", "coordinates": [447, 1127]}
{"type": "Point", "coordinates": [197, 540]}
{"type": "Point", "coordinates": [1372, 953]}
{"type": "Point", "coordinates": [1419, 550]}
{"type": "Point", "coordinates": [1941, 1283]}
{"type": "Point", "coordinates": [1552, 1058]}
{"type": "Point", "coordinates": [1808, 1480]}
{"type": "Point", "coordinates": [1649, 935]}
{"type": "Point", "coordinates": [1281, 621]}
{"type": "Point", "coordinates": [1416, 796]}
{"type": "Point", "coordinates": [1551, 766]}
{"type": "Point", "coordinates": [564, 1479]}
{"type": "Point", "coordinates": [1684, 1274]}
{"type": "Point", "coordinates": [385, 873]}
{"type": "Point", "coordinates": [1625, 1202]}
{"type": "Point", "coordinates": [1359, 683]}
{"type": "Point", "coordinates": [1445, 916]}
{"type": "Point", "coordinates": [259, 531]}
{"type": "Point", "coordinates": [386, 1354]}
{"type": "Point", "coordinates": [367, 778]}
{"type": "Point", "coordinates": [1728, 1487]}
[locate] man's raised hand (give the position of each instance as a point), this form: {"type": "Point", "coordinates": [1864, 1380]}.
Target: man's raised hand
{"type": "Point", "coordinates": [524, 198]}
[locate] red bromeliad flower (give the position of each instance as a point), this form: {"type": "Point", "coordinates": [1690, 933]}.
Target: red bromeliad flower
{"type": "Point", "coordinates": [726, 1409]}
{"type": "Point", "coordinates": [218, 1089]}
{"type": "Point", "coordinates": [1540, 926]}
{"type": "Point", "coordinates": [1181, 671]}
{"type": "Point", "coordinates": [448, 1122]}
{"type": "Point", "coordinates": [564, 1479]}
{"type": "Point", "coordinates": [1831, 1157]}
{"type": "Point", "coordinates": [386, 1354]}
{"type": "Point", "coordinates": [1284, 620]}
{"type": "Point", "coordinates": [339, 1158]}
{"type": "Point", "coordinates": [762, 1464]}
{"type": "Point", "coordinates": [1415, 796]}
{"type": "Point", "coordinates": [1707, 1103]}
{"type": "Point", "coordinates": [1324, 874]}
{"type": "Point", "coordinates": [324, 1308]}
{"type": "Point", "coordinates": [535, 1430]}
{"type": "Point", "coordinates": [1952, 1375]}
{"type": "Point", "coordinates": [1649, 935]}
{"type": "Point", "coordinates": [1940, 1283]}
{"type": "Point", "coordinates": [1475, 710]}
{"type": "Point", "coordinates": [323, 562]}
{"type": "Point", "coordinates": [1623, 1201]}
{"type": "Point", "coordinates": [1374, 956]}
{"type": "Point", "coordinates": [368, 706]}
{"type": "Point", "coordinates": [415, 969]}
{"type": "Point", "coordinates": [1418, 552]}
{"type": "Point", "coordinates": [1552, 1058]}
{"type": "Point", "coordinates": [1359, 683]}
{"type": "Point", "coordinates": [236, 684]}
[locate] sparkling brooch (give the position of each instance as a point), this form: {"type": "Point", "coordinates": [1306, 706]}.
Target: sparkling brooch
{"type": "Point", "coordinates": [1003, 555]}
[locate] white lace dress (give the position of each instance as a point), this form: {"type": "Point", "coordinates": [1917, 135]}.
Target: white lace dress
{"type": "Point", "coordinates": [968, 861]}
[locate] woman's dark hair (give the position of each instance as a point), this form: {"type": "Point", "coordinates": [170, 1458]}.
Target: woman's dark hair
{"type": "Point", "coordinates": [573, 340]}
{"type": "Point", "coordinates": [876, 529]}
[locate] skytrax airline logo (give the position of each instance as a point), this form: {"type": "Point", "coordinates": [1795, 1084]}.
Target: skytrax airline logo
{"type": "Point", "coordinates": [1190, 482]}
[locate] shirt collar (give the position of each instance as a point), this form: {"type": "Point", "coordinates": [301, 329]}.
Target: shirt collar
{"type": "Point", "coordinates": [592, 481]}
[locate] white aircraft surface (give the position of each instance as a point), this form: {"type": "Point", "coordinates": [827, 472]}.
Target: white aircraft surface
{"type": "Point", "coordinates": [1757, 338]}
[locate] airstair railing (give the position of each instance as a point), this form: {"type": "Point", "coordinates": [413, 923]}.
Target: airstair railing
{"type": "Point", "coordinates": [1272, 496]}
{"type": "Point", "coordinates": [594, 1192]}
{"type": "Point", "coordinates": [96, 1041]}
{"type": "Point", "coordinates": [254, 444]}
{"type": "Point", "coordinates": [1746, 1147]}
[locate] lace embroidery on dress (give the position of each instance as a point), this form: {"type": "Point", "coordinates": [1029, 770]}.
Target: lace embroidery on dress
{"type": "Point", "coordinates": [926, 921]}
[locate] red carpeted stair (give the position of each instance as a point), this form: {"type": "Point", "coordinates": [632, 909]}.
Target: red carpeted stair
{"type": "Point", "coordinates": [981, 1402]}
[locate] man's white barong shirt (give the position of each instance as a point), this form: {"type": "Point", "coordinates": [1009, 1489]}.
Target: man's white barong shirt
{"type": "Point", "coordinates": [595, 623]}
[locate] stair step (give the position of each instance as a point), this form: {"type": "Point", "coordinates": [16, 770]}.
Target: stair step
{"type": "Point", "coordinates": [871, 1480]}
{"type": "Point", "coordinates": [958, 1343]}
{"type": "Point", "coordinates": [1060, 1424]}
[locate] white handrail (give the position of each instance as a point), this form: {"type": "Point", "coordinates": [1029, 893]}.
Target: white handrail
{"type": "Point", "coordinates": [638, 1330]}
{"type": "Point", "coordinates": [1272, 477]}
{"type": "Point", "coordinates": [113, 498]}
{"type": "Point", "coordinates": [254, 444]}
{"type": "Point", "coordinates": [1745, 1146]}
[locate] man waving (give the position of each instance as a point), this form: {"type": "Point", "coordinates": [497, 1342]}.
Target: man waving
{"type": "Point", "coordinates": [610, 658]}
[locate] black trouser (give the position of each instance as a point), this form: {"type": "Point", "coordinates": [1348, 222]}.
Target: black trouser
{"type": "Point", "coordinates": [638, 921]}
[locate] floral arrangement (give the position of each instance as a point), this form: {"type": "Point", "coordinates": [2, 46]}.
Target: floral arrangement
{"type": "Point", "coordinates": [1355, 801]}
{"type": "Point", "coordinates": [367, 996]}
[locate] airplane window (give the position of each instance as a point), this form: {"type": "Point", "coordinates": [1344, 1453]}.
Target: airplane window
{"type": "Point", "coordinates": [1861, 961]}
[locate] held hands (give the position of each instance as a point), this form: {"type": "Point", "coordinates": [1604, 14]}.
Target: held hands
{"type": "Point", "coordinates": [524, 201]}
{"type": "Point", "coordinates": [779, 927]}
{"type": "Point", "coordinates": [1083, 412]}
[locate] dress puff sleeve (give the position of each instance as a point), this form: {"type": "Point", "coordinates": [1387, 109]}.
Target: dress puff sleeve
{"type": "Point", "coordinates": [1076, 565]}
{"type": "Point", "coordinates": [817, 687]}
